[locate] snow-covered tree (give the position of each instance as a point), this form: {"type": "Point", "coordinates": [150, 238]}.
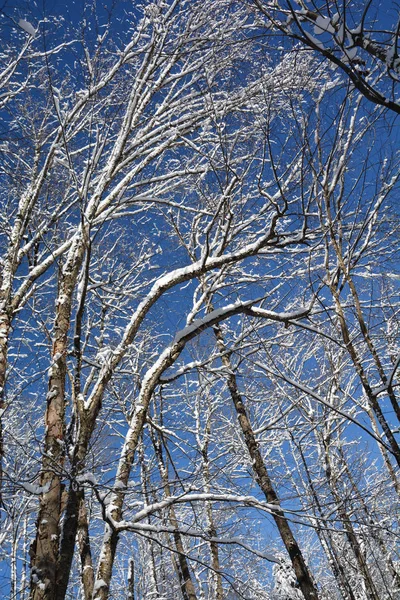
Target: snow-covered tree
{"type": "Point", "coordinates": [360, 39]}
{"type": "Point", "coordinates": [198, 311]}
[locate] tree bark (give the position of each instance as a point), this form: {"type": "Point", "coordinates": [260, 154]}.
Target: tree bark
{"type": "Point", "coordinates": [45, 555]}
{"type": "Point", "coordinates": [304, 579]}
{"type": "Point", "coordinates": [373, 402]}
{"type": "Point", "coordinates": [131, 580]}
{"type": "Point", "coordinates": [325, 535]}
{"type": "Point", "coordinates": [212, 531]}
{"type": "Point", "coordinates": [85, 553]}
{"type": "Point", "coordinates": [370, 588]}
{"type": "Point", "coordinates": [183, 570]}
{"type": "Point", "coordinates": [5, 326]}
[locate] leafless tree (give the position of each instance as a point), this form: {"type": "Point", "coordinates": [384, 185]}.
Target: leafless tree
{"type": "Point", "coordinates": [196, 326]}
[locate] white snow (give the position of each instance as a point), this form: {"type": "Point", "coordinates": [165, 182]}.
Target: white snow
{"type": "Point", "coordinates": [32, 488]}
{"type": "Point", "coordinates": [99, 584]}
{"type": "Point", "coordinates": [340, 34]}
{"type": "Point", "coordinates": [26, 26]}
{"type": "Point", "coordinates": [357, 30]}
{"type": "Point", "coordinates": [351, 52]}
{"type": "Point", "coordinates": [390, 53]}
{"type": "Point", "coordinates": [52, 393]}
{"type": "Point", "coordinates": [103, 355]}
{"type": "Point", "coordinates": [314, 41]}
{"type": "Point", "coordinates": [323, 24]}
{"type": "Point", "coordinates": [209, 318]}
{"type": "Point", "coordinates": [87, 478]}
{"type": "Point", "coordinates": [335, 18]}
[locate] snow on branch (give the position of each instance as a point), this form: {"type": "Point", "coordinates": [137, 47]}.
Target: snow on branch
{"type": "Point", "coordinates": [349, 47]}
{"type": "Point", "coordinates": [27, 27]}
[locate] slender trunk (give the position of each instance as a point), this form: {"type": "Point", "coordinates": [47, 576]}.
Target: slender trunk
{"type": "Point", "coordinates": [212, 531]}
{"type": "Point", "coordinates": [5, 325]}
{"type": "Point", "coordinates": [370, 588]}
{"type": "Point", "coordinates": [374, 531]}
{"type": "Point", "coordinates": [303, 575]}
{"type": "Point", "coordinates": [14, 551]}
{"type": "Point", "coordinates": [215, 563]}
{"type": "Point", "coordinates": [151, 572]}
{"type": "Point", "coordinates": [85, 553]}
{"type": "Point", "coordinates": [131, 580]}
{"type": "Point", "coordinates": [373, 402]}
{"type": "Point", "coordinates": [324, 534]}
{"type": "Point", "coordinates": [24, 568]}
{"type": "Point", "coordinates": [186, 583]}
{"type": "Point", "coordinates": [67, 546]}
{"type": "Point", "coordinates": [185, 580]}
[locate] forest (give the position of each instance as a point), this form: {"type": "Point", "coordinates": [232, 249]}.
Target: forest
{"type": "Point", "coordinates": [199, 300]}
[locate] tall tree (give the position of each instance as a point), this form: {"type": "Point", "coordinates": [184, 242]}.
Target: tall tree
{"type": "Point", "coordinates": [198, 308]}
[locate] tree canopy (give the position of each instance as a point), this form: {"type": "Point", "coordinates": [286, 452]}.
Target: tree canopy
{"type": "Point", "coordinates": [199, 301]}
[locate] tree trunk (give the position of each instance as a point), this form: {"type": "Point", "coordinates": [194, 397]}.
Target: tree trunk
{"type": "Point", "coordinates": [45, 549]}
{"type": "Point", "coordinates": [45, 555]}
{"type": "Point", "coordinates": [85, 553]}
{"type": "Point", "coordinates": [373, 402]}
{"type": "Point", "coordinates": [212, 531]}
{"type": "Point", "coordinates": [303, 575]}
{"type": "Point", "coordinates": [370, 588]}
{"type": "Point", "coordinates": [185, 580]}
{"type": "Point", "coordinates": [325, 535]}
{"type": "Point", "coordinates": [5, 325]}
{"type": "Point", "coordinates": [131, 580]}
